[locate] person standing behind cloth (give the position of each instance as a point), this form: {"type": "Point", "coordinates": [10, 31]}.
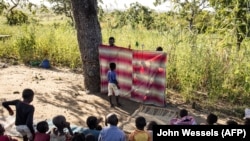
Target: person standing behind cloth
{"type": "Point", "coordinates": [111, 41]}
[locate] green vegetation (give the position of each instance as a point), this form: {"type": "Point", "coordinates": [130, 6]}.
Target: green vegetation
{"type": "Point", "coordinates": [204, 57]}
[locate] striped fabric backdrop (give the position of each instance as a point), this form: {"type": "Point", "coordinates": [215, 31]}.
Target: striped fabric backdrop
{"type": "Point", "coordinates": [123, 59]}
{"type": "Point", "coordinates": [141, 74]}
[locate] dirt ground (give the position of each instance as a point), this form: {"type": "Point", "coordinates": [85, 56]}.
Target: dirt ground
{"type": "Point", "coordinates": [61, 91]}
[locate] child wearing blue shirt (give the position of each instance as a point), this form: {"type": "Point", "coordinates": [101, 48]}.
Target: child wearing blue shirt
{"type": "Point", "coordinates": [113, 85]}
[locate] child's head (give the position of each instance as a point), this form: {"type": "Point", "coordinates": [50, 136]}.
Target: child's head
{"type": "Point", "coordinates": [231, 122]}
{"type": "Point", "coordinates": [247, 121]}
{"type": "Point", "coordinates": [59, 121]}
{"type": "Point", "coordinates": [89, 137]}
{"type": "Point", "coordinates": [112, 119]}
{"type": "Point", "coordinates": [28, 95]}
{"type": "Point", "coordinates": [2, 130]}
{"type": "Point", "coordinates": [42, 126]}
{"type": "Point", "coordinates": [159, 48]}
{"type": "Point", "coordinates": [112, 66]}
{"type": "Point", "coordinates": [111, 41]}
{"type": "Point", "coordinates": [211, 119]}
{"type": "Point", "coordinates": [78, 137]}
{"type": "Point", "coordinates": [92, 122]}
{"type": "Point", "coordinates": [183, 113]}
{"type": "Point", "coordinates": [151, 124]}
{"type": "Point", "coordinates": [140, 123]}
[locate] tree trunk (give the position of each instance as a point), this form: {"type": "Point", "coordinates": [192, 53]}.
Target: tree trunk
{"type": "Point", "coordinates": [89, 38]}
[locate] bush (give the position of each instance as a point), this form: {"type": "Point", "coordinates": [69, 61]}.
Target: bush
{"type": "Point", "coordinates": [17, 18]}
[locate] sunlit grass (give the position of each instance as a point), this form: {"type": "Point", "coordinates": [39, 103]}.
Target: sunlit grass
{"type": "Point", "coordinates": [196, 62]}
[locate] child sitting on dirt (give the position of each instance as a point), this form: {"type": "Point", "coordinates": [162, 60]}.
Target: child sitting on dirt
{"type": "Point", "coordinates": [111, 132]}
{"type": "Point", "coordinates": [58, 133]}
{"type": "Point", "coordinates": [150, 128]}
{"type": "Point", "coordinates": [212, 119]}
{"type": "Point", "coordinates": [90, 137]}
{"type": "Point", "coordinates": [92, 123]}
{"type": "Point", "coordinates": [247, 117]}
{"type": "Point", "coordinates": [78, 137]}
{"type": "Point", "coordinates": [4, 137]}
{"type": "Point", "coordinates": [140, 134]}
{"type": "Point", "coordinates": [231, 122]}
{"type": "Point", "coordinates": [184, 119]}
{"type": "Point", "coordinates": [24, 114]}
{"type": "Point", "coordinates": [42, 128]}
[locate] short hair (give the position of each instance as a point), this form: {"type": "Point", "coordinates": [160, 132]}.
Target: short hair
{"type": "Point", "coordinates": [112, 66]}
{"type": "Point", "coordinates": [42, 126]}
{"type": "Point", "coordinates": [2, 130]}
{"type": "Point", "coordinates": [159, 48]}
{"type": "Point", "coordinates": [211, 119]}
{"type": "Point", "coordinates": [111, 38]}
{"type": "Point", "coordinates": [92, 122]}
{"type": "Point", "coordinates": [89, 137]}
{"type": "Point", "coordinates": [183, 113]}
{"type": "Point", "coordinates": [231, 122]}
{"type": "Point", "coordinates": [27, 93]}
{"type": "Point", "coordinates": [58, 121]}
{"type": "Point", "coordinates": [78, 137]}
{"type": "Point", "coordinates": [112, 119]}
{"type": "Point", "coordinates": [140, 122]}
{"type": "Point", "coordinates": [247, 121]}
{"type": "Point", "coordinates": [151, 124]}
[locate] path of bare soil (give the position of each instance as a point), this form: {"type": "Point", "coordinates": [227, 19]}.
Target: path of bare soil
{"type": "Point", "coordinates": [61, 91]}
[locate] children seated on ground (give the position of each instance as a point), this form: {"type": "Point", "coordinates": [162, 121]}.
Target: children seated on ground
{"type": "Point", "coordinates": [211, 119]}
{"type": "Point", "coordinates": [78, 137]}
{"type": "Point", "coordinates": [139, 134]}
{"type": "Point", "coordinates": [4, 137]}
{"type": "Point", "coordinates": [41, 134]}
{"type": "Point", "coordinates": [24, 114]}
{"type": "Point", "coordinates": [247, 117]}
{"type": "Point", "coordinates": [231, 122]}
{"type": "Point", "coordinates": [184, 119]}
{"type": "Point", "coordinates": [247, 121]}
{"type": "Point", "coordinates": [150, 128]}
{"type": "Point", "coordinates": [92, 123]}
{"type": "Point", "coordinates": [111, 132]}
{"type": "Point", "coordinates": [90, 137]}
{"type": "Point", "coordinates": [58, 133]}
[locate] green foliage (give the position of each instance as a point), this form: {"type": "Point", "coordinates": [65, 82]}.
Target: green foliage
{"type": "Point", "coordinates": [26, 44]}
{"type": "Point", "coordinates": [62, 7]}
{"type": "Point", "coordinates": [204, 59]}
{"type": "Point", "coordinates": [139, 14]}
{"type": "Point", "coordinates": [3, 6]}
{"type": "Point", "coordinates": [235, 16]}
{"type": "Point", "coordinates": [33, 43]}
{"type": "Point", "coordinates": [17, 18]}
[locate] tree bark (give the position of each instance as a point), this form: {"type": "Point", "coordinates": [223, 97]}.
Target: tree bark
{"type": "Point", "coordinates": [89, 38]}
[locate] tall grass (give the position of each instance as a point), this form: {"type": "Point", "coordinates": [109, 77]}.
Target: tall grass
{"type": "Point", "coordinates": [207, 63]}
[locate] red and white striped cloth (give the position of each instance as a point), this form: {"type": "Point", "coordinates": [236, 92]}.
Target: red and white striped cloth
{"type": "Point", "coordinates": [141, 74]}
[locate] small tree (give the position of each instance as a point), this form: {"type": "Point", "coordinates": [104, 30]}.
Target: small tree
{"type": "Point", "coordinates": [63, 7]}
{"type": "Point", "coordinates": [187, 9]}
{"type": "Point", "coordinates": [16, 17]}
{"type": "Point", "coordinates": [237, 14]}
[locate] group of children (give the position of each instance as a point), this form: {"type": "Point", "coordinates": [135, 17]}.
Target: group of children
{"type": "Point", "coordinates": [63, 132]}
{"type": "Point", "coordinates": [94, 132]}
{"type": "Point", "coordinates": [212, 119]}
